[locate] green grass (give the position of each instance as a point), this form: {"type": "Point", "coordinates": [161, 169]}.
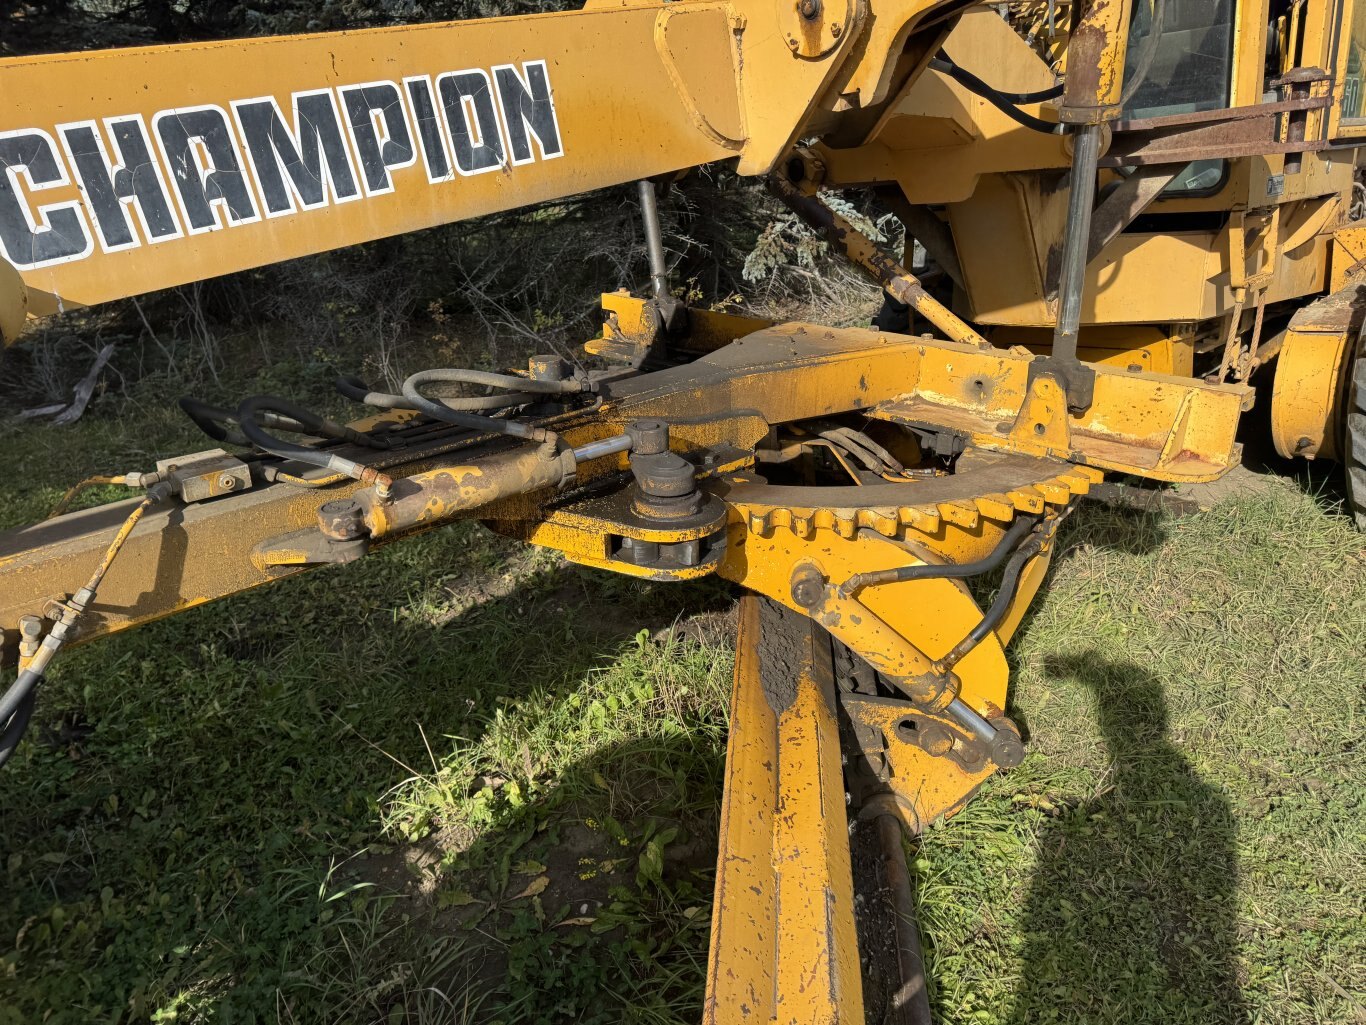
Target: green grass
{"type": "Point", "coordinates": [458, 781]}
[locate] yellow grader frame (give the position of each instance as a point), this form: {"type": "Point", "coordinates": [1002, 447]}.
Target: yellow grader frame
{"type": "Point", "coordinates": [1128, 209]}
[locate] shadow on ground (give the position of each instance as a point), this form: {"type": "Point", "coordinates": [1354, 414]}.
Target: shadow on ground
{"type": "Point", "coordinates": [565, 911]}
{"type": "Point", "coordinates": [174, 853]}
{"type": "Point", "coordinates": [1130, 915]}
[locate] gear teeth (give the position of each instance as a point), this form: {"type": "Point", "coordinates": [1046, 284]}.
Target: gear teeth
{"type": "Point", "coordinates": [1028, 499]}
{"type": "Point", "coordinates": [1054, 493]}
{"type": "Point", "coordinates": [960, 514]}
{"type": "Point", "coordinates": [1081, 481]}
{"type": "Point", "coordinates": [998, 507]}
{"type": "Point", "coordinates": [885, 521]}
{"type": "Point", "coordinates": [924, 520]}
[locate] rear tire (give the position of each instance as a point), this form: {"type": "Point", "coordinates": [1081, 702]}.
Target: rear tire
{"type": "Point", "coordinates": [1354, 439]}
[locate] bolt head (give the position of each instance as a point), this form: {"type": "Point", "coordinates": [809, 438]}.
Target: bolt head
{"type": "Point", "coordinates": [227, 482]}
{"type": "Point", "coordinates": [342, 520]}
{"type": "Point", "coordinates": [935, 740]}
{"type": "Point", "coordinates": [648, 437]}
{"type": "Point", "coordinates": [808, 587]}
{"type": "Point", "coordinates": [1008, 749]}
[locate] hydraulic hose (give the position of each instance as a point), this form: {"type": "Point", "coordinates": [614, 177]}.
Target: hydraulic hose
{"type": "Point", "coordinates": [488, 424]}
{"type": "Point", "coordinates": [16, 705]}
{"type": "Point", "coordinates": [356, 390]}
{"type": "Point", "coordinates": [254, 407]}
{"type": "Point", "coordinates": [132, 480]}
{"type": "Point", "coordinates": [1004, 102]}
{"type": "Point", "coordinates": [221, 424]}
{"type": "Point", "coordinates": [14, 730]}
{"type": "Point", "coordinates": [873, 456]}
{"type": "Point", "coordinates": [971, 81]}
{"type": "Point", "coordinates": [947, 571]}
{"type": "Point", "coordinates": [1005, 594]}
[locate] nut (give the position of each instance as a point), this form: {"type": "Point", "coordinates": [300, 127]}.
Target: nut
{"type": "Point", "coordinates": [808, 586]}
{"type": "Point", "coordinates": [342, 520]}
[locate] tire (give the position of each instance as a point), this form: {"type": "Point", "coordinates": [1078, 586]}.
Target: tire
{"type": "Point", "coordinates": [1354, 439]}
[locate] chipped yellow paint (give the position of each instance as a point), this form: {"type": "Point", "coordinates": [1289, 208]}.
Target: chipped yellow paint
{"type": "Point", "coordinates": [783, 943]}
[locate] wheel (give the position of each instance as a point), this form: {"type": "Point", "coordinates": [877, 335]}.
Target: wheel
{"type": "Point", "coordinates": [1354, 438]}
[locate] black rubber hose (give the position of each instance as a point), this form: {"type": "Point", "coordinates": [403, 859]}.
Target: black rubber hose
{"type": "Point", "coordinates": [356, 390]}
{"type": "Point", "coordinates": [947, 571]}
{"type": "Point", "coordinates": [1145, 56]}
{"type": "Point", "coordinates": [475, 422]}
{"type": "Point", "coordinates": [221, 424]}
{"type": "Point", "coordinates": [1004, 102]}
{"type": "Point", "coordinates": [210, 420]}
{"type": "Point", "coordinates": [14, 730]}
{"type": "Point", "coordinates": [974, 83]}
{"type": "Point", "coordinates": [1005, 594]}
{"type": "Point", "coordinates": [252, 408]}
{"type": "Point", "coordinates": [259, 411]}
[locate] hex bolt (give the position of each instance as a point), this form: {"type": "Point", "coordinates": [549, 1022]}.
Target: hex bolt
{"type": "Point", "coordinates": [809, 9]}
{"type": "Point", "coordinates": [808, 586]}
{"type": "Point", "coordinates": [342, 520]}
{"type": "Point", "coordinates": [227, 482]}
{"type": "Point", "coordinates": [30, 635]}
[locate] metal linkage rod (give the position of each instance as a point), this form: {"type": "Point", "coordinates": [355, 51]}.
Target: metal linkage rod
{"type": "Point", "coordinates": [1085, 153]}
{"type": "Point", "coordinates": [654, 239]}
{"type": "Point", "coordinates": [884, 268]}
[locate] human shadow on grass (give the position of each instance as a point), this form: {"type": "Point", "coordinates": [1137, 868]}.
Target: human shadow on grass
{"type": "Point", "coordinates": [586, 904]}
{"type": "Point", "coordinates": [1130, 916]}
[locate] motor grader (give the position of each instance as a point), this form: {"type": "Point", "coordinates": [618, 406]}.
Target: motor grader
{"type": "Point", "coordinates": [1128, 212]}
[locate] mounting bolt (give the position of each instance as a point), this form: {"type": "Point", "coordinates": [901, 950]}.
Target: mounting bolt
{"type": "Point", "coordinates": [549, 368]}
{"type": "Point", "coordinates": [227, 482]}
{"type": "Point", "coordinates": [648, 437]}
{"type": "Point", "coordinates": [935, 740]}
{"type": "Point", "coordinates": [836, 30]}
{"type": "Point", "coordinates": [342, 520]}
{"type": "Point", "coordinates": [1007, 750]}
{"type": "Point", "coordinates": [808, 586]}
{"type": "Point", "coordinates": [809, 9]}
{"type": "Point", "coordinates": [30, 635]}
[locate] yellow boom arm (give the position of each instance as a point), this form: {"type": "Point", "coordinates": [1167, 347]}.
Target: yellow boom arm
{"type": "Point", "coordinates": [131, 170]}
